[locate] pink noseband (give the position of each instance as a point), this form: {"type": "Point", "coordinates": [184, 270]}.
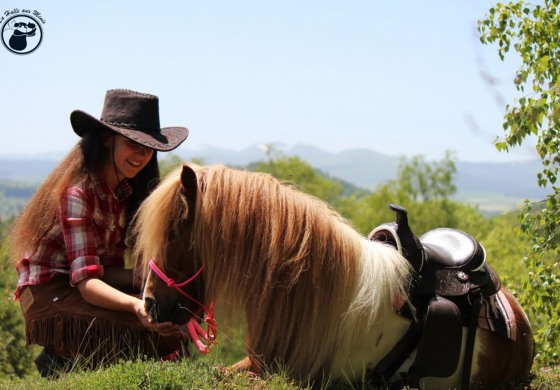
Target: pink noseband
{"type": "Point", "coordinates": [193, 327]}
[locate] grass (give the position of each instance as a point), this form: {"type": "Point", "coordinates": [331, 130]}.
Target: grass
{"type": "Point", "coordinates": [547, 378]}
{"type": "Point", "coordinates": [204, 372]}
{"type": "Point", "coordinates": [186, 374]}
{"type": "Point", "coordinates": [198, 372]}
{"type": "Point", "coordinates": [492, 204]}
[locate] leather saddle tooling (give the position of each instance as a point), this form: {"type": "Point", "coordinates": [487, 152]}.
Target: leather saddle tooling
{"type": "Point", "coordinates": [451, 279]}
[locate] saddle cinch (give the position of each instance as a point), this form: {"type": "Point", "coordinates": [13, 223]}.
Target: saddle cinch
{"type": "Point", "coordinates": [450, 281]}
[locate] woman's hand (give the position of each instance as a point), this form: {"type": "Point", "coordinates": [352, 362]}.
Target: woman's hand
{"type": "Point", "coordinates": [164, 328]}
{"type": "Point", "coordinates": [99, 293]}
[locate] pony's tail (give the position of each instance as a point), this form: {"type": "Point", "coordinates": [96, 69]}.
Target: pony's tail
{"type": "Point", "coordinates": [384, 280]}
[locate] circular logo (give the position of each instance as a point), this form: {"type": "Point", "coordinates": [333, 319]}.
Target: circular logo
{"type": "Point", "coordinates": [22, 34]}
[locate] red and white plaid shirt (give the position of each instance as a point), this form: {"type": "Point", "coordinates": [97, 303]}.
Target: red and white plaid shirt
{"type": "Point", "coordinates": [87, 235]}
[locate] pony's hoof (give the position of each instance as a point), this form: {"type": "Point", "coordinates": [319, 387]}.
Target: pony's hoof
{"type": "Point", "coordinates": [242, 365]}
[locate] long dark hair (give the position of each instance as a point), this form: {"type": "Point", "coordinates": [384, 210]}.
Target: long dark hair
{"type": "Point", "coordinates": [143, 184]}
{"type": "Point", "coordinates": [89, 155]}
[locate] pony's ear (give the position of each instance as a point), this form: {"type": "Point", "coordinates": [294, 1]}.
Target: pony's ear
{"type": "Point", "coordinates": [189, 183]}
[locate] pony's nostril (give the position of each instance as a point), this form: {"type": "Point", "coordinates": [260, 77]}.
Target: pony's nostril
{"type": "Point", "coordinates": [150, 306]}
{"type": "Point", "coordinates": [148, 303]}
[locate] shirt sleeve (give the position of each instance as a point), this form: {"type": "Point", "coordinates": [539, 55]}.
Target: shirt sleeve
{"type": "Point", "coordinates": [77, 226]}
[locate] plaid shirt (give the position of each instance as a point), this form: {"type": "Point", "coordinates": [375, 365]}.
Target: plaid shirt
{"type": "Point", "coordinates": [88, 234]}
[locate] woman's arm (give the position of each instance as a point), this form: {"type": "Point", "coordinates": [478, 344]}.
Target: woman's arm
{"type": "Point", "coordinates": [99, 293]}
{"type": "Point", "coordinates": [76, 218]}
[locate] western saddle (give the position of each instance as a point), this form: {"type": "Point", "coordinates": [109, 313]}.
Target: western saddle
{"type": "Point", "coordinates": [451, 278]}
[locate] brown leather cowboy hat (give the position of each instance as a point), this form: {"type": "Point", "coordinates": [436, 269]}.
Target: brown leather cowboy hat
{"type": "Point", "coordinates": [133, 114]}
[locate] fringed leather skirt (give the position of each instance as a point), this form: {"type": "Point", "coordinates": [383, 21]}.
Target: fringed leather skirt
{"type": "Point", "coordinates": [59, 319]}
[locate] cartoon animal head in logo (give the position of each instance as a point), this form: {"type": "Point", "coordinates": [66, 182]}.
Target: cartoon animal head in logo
{"type": "Point", "coordinates": [21, 34]}
{"type": "Point", "coordinates": [18, 40]}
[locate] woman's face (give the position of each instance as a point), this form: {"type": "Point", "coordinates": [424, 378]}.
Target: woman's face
{"type": "Point", "coordinates": [129, 158]}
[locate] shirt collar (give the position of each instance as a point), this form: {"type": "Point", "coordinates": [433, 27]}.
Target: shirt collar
{"type": "Point", "coordinates": [123, 190]}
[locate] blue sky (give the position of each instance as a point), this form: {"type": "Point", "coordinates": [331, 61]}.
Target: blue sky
{"type": "Point", "coordinates": [400, 77]}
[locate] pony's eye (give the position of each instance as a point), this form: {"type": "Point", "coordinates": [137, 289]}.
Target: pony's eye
{"type": "Point", "coordinates": [171, 234]}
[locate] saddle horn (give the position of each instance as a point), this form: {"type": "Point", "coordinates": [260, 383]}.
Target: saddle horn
{"type": "Point", "coordinates": [412, 249]}
{"type": "Point", "coordinates": [400, 235]}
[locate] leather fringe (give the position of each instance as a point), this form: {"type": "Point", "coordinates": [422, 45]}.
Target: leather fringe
{"type": "Point", "coordinates": [96, 340]}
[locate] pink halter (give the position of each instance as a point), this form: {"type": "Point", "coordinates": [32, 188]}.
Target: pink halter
{"type": "Point", "coordinates": [193, 328]}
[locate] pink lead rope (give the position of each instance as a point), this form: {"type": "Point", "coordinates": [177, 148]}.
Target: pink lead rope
{"type": "Point", "coordinates": [193, 328]}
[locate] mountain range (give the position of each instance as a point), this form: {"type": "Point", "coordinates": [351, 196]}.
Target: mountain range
{"type": "Point", "coordinates": [494, 187]}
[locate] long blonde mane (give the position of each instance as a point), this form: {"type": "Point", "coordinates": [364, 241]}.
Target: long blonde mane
{"type": "Point", "coordinates": [304, 277]}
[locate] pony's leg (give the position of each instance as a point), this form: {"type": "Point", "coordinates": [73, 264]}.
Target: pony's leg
{"type": "Point", "coordinates": [242, 365]}
{"type": "Point", "coordinates": [500, 360]}
{"type": "Point", "coordinates": [247, 364]}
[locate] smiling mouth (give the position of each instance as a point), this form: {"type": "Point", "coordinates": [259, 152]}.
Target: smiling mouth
{"type": "Point", "coordinates": [134, 163]}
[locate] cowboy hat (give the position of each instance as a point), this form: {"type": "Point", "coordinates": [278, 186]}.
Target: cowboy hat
{"type": "Point", "coordinates": [134, 115]}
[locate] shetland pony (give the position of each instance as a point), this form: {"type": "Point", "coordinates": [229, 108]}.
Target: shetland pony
{"type": "Point", "coordinates": [320, 300]}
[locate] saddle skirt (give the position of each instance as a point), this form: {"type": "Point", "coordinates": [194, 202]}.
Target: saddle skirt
{"type": "Point", "coordinates": [496, 315]}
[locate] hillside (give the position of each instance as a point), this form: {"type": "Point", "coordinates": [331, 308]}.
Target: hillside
{"type": "Point", "coordinates": [495, 187]}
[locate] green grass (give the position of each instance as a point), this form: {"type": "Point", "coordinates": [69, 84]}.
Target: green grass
{"type": "Point", "coordinates": [186, 374]}
{"type": "Point", "coordinates": [204, 372]}
{"type": "Point", "coordinates": [197, 372]}
{"type": "Point", "coordinates": [492, 204]}
{"type": "Point", "coordinates": [201, 373]}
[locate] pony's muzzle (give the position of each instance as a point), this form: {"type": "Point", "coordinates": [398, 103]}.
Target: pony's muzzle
{"type": "Point", "coordinates": [151, 307]}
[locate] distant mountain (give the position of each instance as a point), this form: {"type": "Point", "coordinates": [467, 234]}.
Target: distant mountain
{"type": "Point", "coordinates": [362, 167]}
{"type": "Point", "coordinates": [517, 179]}
{"type": "Point", "coordinates": [367, 168]}
{"type": "Point", "coordinates": [26, 170]}
{"type": "Point", "coordinates": [493, 186]}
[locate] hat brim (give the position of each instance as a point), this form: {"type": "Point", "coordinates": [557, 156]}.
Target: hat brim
{"type": "Point", "coordinates": [82, 122]}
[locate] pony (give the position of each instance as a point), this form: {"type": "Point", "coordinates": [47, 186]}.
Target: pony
{"type": "Point", "coordinates": [321, 302]}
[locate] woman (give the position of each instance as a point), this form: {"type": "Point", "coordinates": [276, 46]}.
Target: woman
{"type": "Point", "coordinates": [69, 242]}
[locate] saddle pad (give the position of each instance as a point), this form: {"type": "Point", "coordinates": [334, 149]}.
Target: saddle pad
{"type": "Point", "coordinates": [496, 315]}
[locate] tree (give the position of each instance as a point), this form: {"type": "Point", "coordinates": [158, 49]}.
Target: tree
{"type": "Point", "coordinates": [172, 161]}
{"type": "Point", "coordinates": [294, 170]}
{"type": "Point", "coordinates": [425, 189]}
{"type": "Point", "coordinates": [532, 31]}
{"type": "Point", "coordinates": [15, 357]}
{"type": "Point", "coordinates": [423, 181]}
{"type": "Point", "coordinates": [168, 163]}
{"type": "Point", "coordinates": [506, 246]}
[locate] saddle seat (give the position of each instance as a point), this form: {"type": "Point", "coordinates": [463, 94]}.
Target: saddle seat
{"type": "Point", "coordinates": [452, 249]}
